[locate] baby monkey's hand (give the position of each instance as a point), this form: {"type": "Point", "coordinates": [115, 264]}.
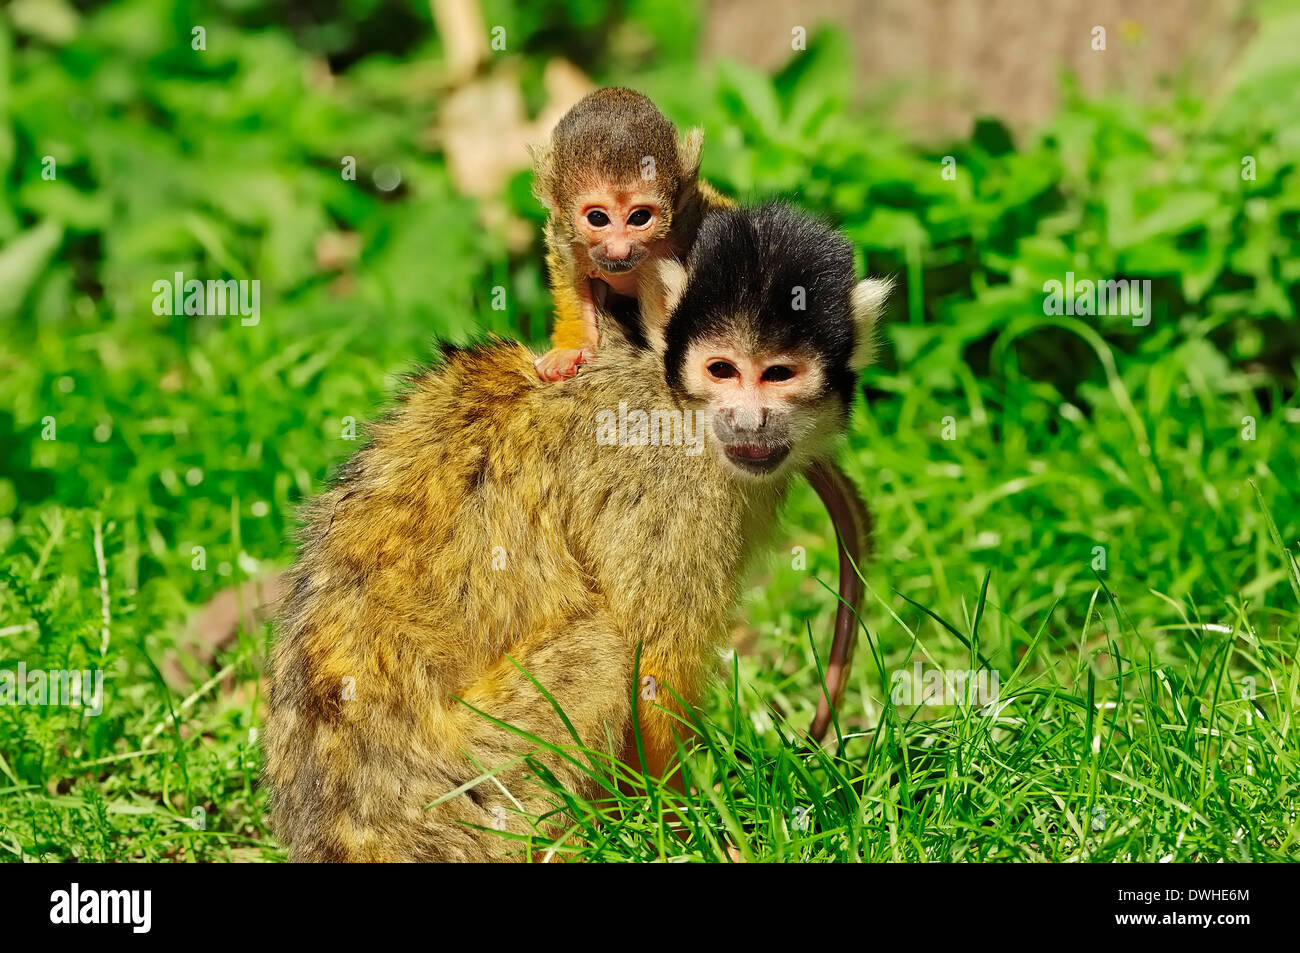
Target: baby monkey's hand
{"type": "Point", "coordinates": [562, 363]}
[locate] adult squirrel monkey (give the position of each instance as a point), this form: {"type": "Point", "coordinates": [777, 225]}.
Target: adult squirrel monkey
{"type": "Point", "coordinates": [624, 193]}
{"type": "Point", "coordinates": [460, 567]}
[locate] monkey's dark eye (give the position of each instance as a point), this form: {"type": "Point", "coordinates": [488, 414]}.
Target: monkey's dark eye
{"type": "Point", "coordinates": [722, 370]}
{"type": "Point", "coordinates": [639, 217]}
{"type": "Point", "coordinates": [597, 218]}
{"type": "Point", "coordinates": [778, 372]}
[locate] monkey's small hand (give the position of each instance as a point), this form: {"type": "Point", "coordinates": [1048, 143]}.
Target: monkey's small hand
{"type": "Point", "coordinates": [562, 363]}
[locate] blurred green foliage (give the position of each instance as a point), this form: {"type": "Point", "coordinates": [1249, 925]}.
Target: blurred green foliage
{"type": "Point", "coordinates": [172, 433]}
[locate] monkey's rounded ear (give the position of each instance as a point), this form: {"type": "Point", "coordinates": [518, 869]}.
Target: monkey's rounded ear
{"type": "Point", "coordinates": [659, 295]}
{"type": "Point", "coordinates": [689, 152]}
{"type": "Point", "coordinates": [868, 302]}
{"type": "Point", "coordinates": [543, 173]}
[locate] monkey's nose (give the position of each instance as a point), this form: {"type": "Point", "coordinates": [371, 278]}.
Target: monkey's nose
{"type": "Point", "coordinates": [619, 251]}
{"type": "Point", "coordinates": [746, 418]}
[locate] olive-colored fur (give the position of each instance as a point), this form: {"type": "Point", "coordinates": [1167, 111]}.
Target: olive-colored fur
{"type": "Point", "coordinates": [484, 523]}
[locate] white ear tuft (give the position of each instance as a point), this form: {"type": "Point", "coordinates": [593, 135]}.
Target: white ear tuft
{"type": "Point", "coordinates": [869, 296]}
{"type": "Point", "coordinates": [542, 155]}
{"type": "Point", "coordinates": [690, 151]}
{"type": "Point", "coordinates": [659, 291]}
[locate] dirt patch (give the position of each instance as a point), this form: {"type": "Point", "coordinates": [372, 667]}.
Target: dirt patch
{"type": "Point", "coordinates": [936, 65]}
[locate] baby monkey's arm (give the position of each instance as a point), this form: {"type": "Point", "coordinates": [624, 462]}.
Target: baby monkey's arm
{"type": "Point", "coordinates": [575, 336]}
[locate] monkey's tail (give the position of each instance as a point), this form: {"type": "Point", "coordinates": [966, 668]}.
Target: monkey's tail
{"type": "Point", "coordinates": [852, 522]}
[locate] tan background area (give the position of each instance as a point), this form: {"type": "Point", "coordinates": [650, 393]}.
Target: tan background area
{"type": "Point", "coordinates": [937, 64]}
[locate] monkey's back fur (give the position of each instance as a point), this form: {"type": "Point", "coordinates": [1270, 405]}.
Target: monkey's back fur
{"type": "Point", "coordinates": [485, 523]}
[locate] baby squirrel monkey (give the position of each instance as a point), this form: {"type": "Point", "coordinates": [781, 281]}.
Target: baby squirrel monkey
{"type": "Point", "coordinates": [459, 566]}
{"type": "Point", "coordinates": [623, 192]}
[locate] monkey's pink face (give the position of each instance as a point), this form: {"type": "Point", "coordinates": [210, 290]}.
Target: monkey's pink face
{"type": "Point", "coordinates": [766, 409]}
{"type": "Point", "coordinates": [619, 228]}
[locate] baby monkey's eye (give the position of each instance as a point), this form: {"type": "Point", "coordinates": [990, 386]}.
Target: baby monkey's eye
{"type": "Point", "coordinates": [778, 372]}
{"type": "Point", "coordinates": [597, 218]}
{"type": "Point", "coordinates": [639, 217]}
{"type": "Point", "coordinates": [721, 370]}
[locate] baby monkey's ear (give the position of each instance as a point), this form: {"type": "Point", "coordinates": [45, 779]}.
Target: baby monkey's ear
{"type": "Point", "coordinates": [659, 291]}
{"type": "Point", "coordinates": [868, 302]}
{"type": "Point", "coordinates": [689, 152]}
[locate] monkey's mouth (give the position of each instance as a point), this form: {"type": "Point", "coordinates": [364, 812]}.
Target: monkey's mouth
{"type": "Point", "coordinates": [757, 458]}
{"type": "Point", "coordinates": [616, 266]}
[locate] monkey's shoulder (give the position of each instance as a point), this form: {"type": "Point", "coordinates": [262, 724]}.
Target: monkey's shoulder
{"type": "Point", "coordinates": [476, 378]}
{"type": "Point", "coordinates": [620, 372]}
{"type": "Point", "coordinates": [436, 432]}
{"type": "Point", "coordinates": [712, 199]}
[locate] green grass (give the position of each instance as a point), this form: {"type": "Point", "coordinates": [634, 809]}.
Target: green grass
{"type": "Point", "coordinates": [1145, 705]}
{"type": "Point", "coordinates": [1122, 691]}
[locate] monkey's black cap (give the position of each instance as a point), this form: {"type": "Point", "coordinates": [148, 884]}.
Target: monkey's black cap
{"type": "Point", "coordinates": [769, 274]}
